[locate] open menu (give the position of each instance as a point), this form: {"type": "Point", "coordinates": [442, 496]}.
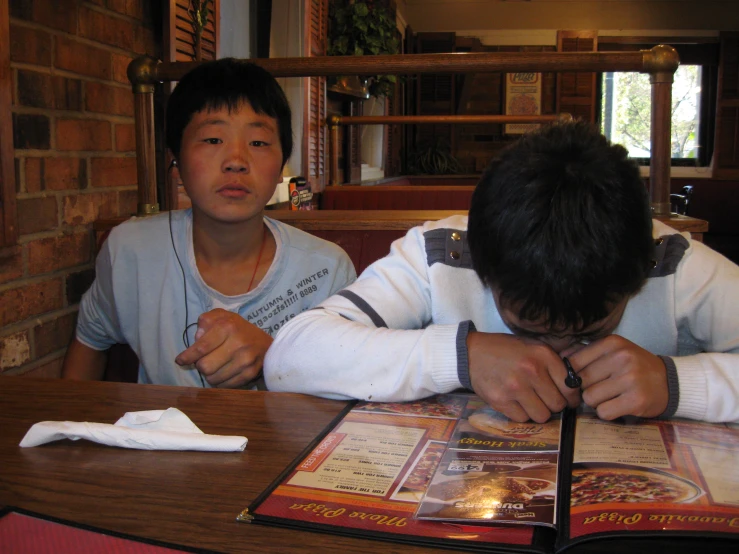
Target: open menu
{"type": "Point", "coordinates": [449, 471]}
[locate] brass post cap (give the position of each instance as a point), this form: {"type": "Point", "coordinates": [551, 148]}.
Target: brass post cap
{"type": "Point", "coordinates": [660, 62]}
{"type": "Point", "coordinates": [142, 72]}
{"type": "Point", "coordinates": [147, 209]}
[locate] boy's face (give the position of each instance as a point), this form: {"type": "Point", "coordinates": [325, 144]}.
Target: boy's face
{"type": "Point", "coordinates": [559, 339]}
{"type": "Point", "coordinates": [230, 163]}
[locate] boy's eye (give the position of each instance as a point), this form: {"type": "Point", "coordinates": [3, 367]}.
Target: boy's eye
{"type": "Point", "coordinates": [213, 141]}
{"type": "Point", "coordinates": [259, 143]}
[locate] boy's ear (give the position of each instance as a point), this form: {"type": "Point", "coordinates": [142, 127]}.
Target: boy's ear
{"type": "Point", "coordinates": [174, 172]}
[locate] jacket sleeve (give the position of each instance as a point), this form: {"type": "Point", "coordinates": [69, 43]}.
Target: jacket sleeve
{"type": "Point", "coordinates": [707, 302]}
{"type": "Point", "coordinates": [374, 340]}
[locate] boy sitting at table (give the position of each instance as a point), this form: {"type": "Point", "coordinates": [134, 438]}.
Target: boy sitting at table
{"type": "Point", "coordinates": [198, 293]}
{"type": "Point", "coordinates": [559, 258]}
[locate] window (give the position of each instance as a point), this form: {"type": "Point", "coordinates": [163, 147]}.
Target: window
{"type": "Point", "coordinates": [626, 112]}
{"type": "Point", "coordinates": [625, 104]}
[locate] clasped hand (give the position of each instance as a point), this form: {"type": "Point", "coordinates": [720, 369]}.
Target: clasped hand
{"type": "Point", "coordinates": [228, 350]}
{"type": "Point", "coordinates": [524, 378]}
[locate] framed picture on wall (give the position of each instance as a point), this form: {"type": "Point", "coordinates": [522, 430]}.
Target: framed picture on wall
{"type": "Point", "coordinates": [523, 97]}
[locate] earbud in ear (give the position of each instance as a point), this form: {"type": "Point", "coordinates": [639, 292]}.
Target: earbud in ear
{"type": "Point", "coordinates": [172, 164]}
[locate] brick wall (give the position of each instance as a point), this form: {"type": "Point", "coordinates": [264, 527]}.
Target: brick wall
{"type": "Point", "coordinates": [74, 153]}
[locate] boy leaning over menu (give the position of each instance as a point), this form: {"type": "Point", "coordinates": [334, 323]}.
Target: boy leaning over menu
{"type": "Point", "coordinates": [199, 293]}
{"type": "Point", "coordinates": [558, 264]}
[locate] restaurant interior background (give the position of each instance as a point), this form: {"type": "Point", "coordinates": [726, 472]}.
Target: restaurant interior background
{"type": "Point", "coordinates": [67, 145]}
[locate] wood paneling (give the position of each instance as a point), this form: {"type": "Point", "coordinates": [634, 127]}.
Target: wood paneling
{"type": "Point", "coordinates": [726, 150]}
{"type": "Point", "coordinates": [576, 91]}
{"type": "Point", "coordinates": [8, 216]}
{"type": "Point", "coordinates": [397, 197]}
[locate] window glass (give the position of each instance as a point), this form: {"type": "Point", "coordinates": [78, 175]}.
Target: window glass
{"type": "Point", "coordinates": [626, 112]}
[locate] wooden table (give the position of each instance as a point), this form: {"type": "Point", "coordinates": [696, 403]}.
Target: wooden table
{"type": "Point", "coordinates": [186, 498]}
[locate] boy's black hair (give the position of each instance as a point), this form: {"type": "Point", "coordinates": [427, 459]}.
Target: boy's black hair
{"type": "Point", "coordinates": [227, 82]}
{"type": "Point", "coordinates": [560, 226]}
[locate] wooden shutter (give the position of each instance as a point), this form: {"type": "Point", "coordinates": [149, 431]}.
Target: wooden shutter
{"type": "Point", "coordinates": [726, 149]}
{"type": "Point", "coordinates": [179, 34]}
{"type": "Point", "coordinates": [576, 91]}
{"type": "Point", "coordinates": [314, 117]}
{"type": "Point", "coordinates": [8, 216]}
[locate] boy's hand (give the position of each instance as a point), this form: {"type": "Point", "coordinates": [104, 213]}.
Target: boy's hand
{"type": "Point", "coordinates": [521, 378]}
{"type": "Point", "coordinates": [228, 350]}
{"type": "Point", "coordinates": [620, 378]}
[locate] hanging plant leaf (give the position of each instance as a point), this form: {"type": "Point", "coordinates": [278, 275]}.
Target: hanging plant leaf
{"type": "Point", "coordinates": [358, 30]}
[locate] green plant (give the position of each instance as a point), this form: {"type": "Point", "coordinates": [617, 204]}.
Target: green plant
{"type": "Point", "coordinates": [361, 29]}
{"type": "Point", "coordinates": [199, 11]}
{"type": "Point", "coordinates": [433, 159]}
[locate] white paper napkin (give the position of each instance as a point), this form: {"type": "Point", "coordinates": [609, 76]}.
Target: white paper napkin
{"type": "Point", "coordinates": [150, 430]}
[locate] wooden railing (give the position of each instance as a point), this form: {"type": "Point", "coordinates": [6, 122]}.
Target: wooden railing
{"type": "Point", "coordinates": [335, 121]}
{"type": "Point", "coordinates": [660, 63]}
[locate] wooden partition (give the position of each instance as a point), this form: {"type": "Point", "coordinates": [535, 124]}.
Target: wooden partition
{"type": "Point", "coordinates": [397, 197]}
{"type": "Point", "coordinates": [660, 62]}
{"type": "Point", "coordinates": [365, 236]}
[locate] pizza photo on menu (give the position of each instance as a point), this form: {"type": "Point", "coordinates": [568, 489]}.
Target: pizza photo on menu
{"type": "Point", "coordinates": [494, 487]}
{"type": "Point", "coordinates": [598, 483]}
{"type": "Point", "coordinates": [442, 406]}
{"type": "Point", "coordinates": [473, 496]}
{"type": "Point", "coordinates": [485, 428]}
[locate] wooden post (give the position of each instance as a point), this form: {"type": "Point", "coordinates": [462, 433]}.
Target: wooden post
{"type": "Point", "coordinates": [333, 153]}
{"type": "Point", "coordinates": [142, 74]}
{"type": "Point", "coordinates": [661, 62]}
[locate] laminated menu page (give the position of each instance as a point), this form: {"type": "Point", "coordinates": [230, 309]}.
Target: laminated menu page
{"type": "Point", "coordinates": [449, 471]}
{"type": "Point", "coordinates": [496, 470]}
{"type": "Point", "coordinates": [654, 477]}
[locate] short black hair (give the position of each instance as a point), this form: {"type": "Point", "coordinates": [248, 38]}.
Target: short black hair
{"type": "Point", "coordinates": [560, 226]}
{"type": "Point", "coordinates": [227, 82]}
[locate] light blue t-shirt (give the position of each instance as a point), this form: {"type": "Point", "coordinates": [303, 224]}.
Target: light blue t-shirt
{"type": "Point", "coordinates": [138, 296]}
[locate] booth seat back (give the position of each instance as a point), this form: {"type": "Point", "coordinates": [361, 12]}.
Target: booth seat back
{"type": "Point", "coordinates": [396, 197]}
{"type": "Point", "coordinates": [366, 236]}
{"type": "Point", "coordinates": [363, 247]}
